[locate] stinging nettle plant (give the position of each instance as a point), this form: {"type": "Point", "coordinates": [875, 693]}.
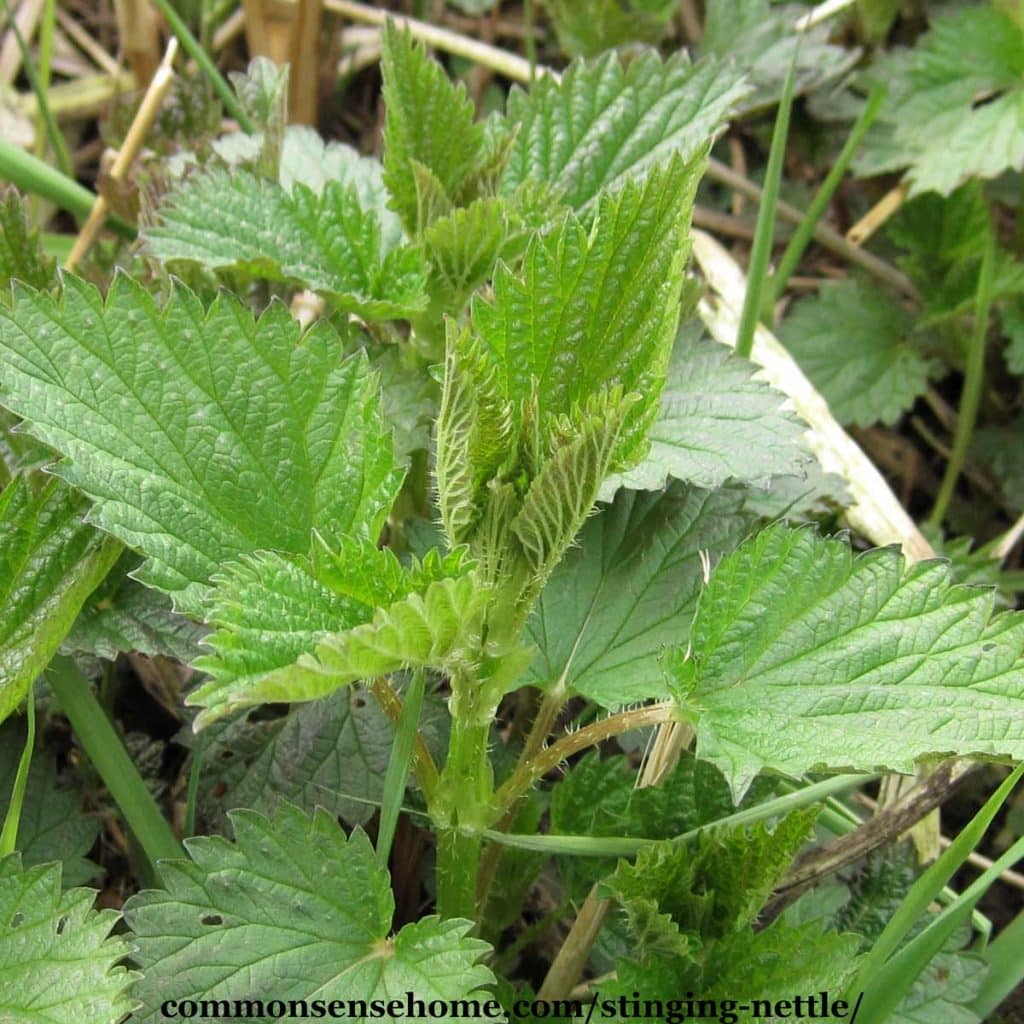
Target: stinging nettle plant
{"type": "Point", "coordinates": [509, 295]}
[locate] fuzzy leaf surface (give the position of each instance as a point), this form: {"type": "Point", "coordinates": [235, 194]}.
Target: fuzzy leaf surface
{"type": "Point", "coordinates": [430, 122]}
{"type": "Point", "coordinates": [311, 658]}
{"type": "Point", "coordinates": [603, 124]}
{"type": "Point", "coordinates": [329, 242]}
{"type": "Point", "coordinates": [57, 956]}
{"type": "Point", "coordinates": [854, 343]}
{"type": "Point", "coordinates": [50, 562]}
{"type": "Point", "coordinates": [200, 435]}
{"type": "Point", "coordinates": [716, 421]}
{"type": "Point", "coordinates": [595, 309]}
{"type": "Point", "coordinates": [804, 656]}
{"type": "Point", "coordinates": [293, 909]}
{"type": "Point", "coordinates": [627, 590]}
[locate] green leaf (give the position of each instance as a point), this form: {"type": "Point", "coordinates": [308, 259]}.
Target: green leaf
{"type": "Point", "coordinates": [21, 256]}
{"type": "Point", "coordinates": [430, 123]}
{"type": "Point", "coordinates": [464, 245]}
{"type": "Point", "coordinates": [565, 488]}
{"type": "Point", "coordinates": [50, 561]}
{"type": "Point", "coordinates": [201, 435]}
{"type": "Point", "coordinates": [122, 615]}
{"type": "Point", "coordinates": [954, 105]}
{"type": "Point", "coordinates": [330, 753]}
{"type": "Point", "coordinates": [434, 629]}
{"type": "Point", "coordinates": [601, 798]}
{"type": "Point", "coordinates": [717, 421]}
{"type": "Point", "coordinates": [587, 28]}
{"type": "Point", "coordinates": [57, 956]}
{"type": "Point", "coordinates": [291, 910]}
{"type": "Point", "coordinates": [329, 242]}
{"type": "Point", "coordinates": [949, 984]}
{"type": "Point", "coordinates": [759, 37]}
{"type": "Point", "coordinates": [54, 824]}
{"type": "Point", "coordinates": [779, 962]}
{"type": "Point", "coordinates": [603, 124]}
{"type": "Point", "coordinates": [627, 590]}
{"type": "Point", "coordinates": [594, 309]}
{"type": "Point", "coordinates": [806, 657]}
{"type": "Point", "coordinates": [558, 377]}
{"type": "Point", "coordinates": [408, 397]}
{"type": "Point", "coordinates": [855, 343]}
{"type": "Point", "coordinates": [677, 898]}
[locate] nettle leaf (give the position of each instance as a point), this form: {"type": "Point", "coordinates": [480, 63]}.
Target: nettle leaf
{"type": "Point", "coordinates": [627, 590]}
{"type": "Point", "coordinates": [794, 639]}
{"type": "Point", "coordinates": [603, 124]}
{"type": "Point", "coordinates": [463, 245]}
{"type": "Point", "coordinates": [329, 242]}
{"type": "Point", "coordinates": [57, 956]}
{"type": "Point", "coordinates": [557, 379]}
{"type": "Point", "coordinates": [433, 630]}
{"type": "Point", "coordinates": [50, 562]}
{"type": "Point", "coordinates": [291, 910]}
{"type": "Point", "coordinates": [21, 254]}
{"type": "Point", "coordinates": [717, 421]}
{"type": "Point", "coordinates": [759, 37]}
{"type": "Point", "coordinates": [954, 104]}
{"type": "Point", "coordinates": [677, 898]}
{"type": "Point", "coordinates": [600, 797]}
{"type": "Point", "coordinates": [331, 753]}
{"type": "Point", "coordinates": [123, 615]}
{"type": "Point", "coordinates": [431, 125]}
{"type": "Point", "coordinates": [595, 309]}
{"type": "Point", "coordinates": [854, 341]}
{"type": "Point", "coordinates": [53, 823]}
{"type": "Point", "coordinates": [201, 435]}
{"type": "Point", "coordinates": [588, 28]}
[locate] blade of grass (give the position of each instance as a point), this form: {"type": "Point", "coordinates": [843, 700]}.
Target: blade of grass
{"type": "Point", "coordinates": [191, 46]}
{"type": "Point", "coordinates": [397, 775]}
{"type": "Point", "coordinates": [930, 884]}
{"type": "Point", "coordinates": [805, 230]}
{"type": "Point", "coordinates": [594, 846]}
{"type": "Point", "coordinates": [45, 114]}
{"type": "Point", "coordinates": [895, 979]}
{"type": "Point", "coordinates": [105, 750]}
{"type": "Point", "coordinates": [1006, 968]}
{"type": "Point", "coordinates": [31, 175]}
{"type": "Point", "coordinates": [974, 379]}
{"type": "Point", "coordinates": [761, 251]}
{"type": "Point", "coordinates": [9, 835]}
{"type": "Point", "coordinates": [195, 773]}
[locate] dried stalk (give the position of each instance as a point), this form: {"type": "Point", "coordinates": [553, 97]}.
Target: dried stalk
{"type": "Point", "coordinates": [147, 112]}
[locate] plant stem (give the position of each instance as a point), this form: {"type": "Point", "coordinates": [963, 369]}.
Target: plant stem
{"type": "Point", "coordinates": [537, 767]}
{"type": "Point", "coordinates": [460, 812]}
{"type": "Point", "coordinates": [9, 835]}
{"type": "Point", "coordinates": [32, 175]}
{"type": "Point", "coordinates": [106, 751]}
{"type": "Point", "coordinates": [974, 378]}
{"type": "Point", "coordinates": [764, 234]}
{"type": "Point", "coordinates": [398, 766]}
{"type": "Point", "coordinates": [805, 231]}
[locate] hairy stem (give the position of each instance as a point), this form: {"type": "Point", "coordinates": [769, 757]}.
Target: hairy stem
{"type": "Point", "coordinates": [537, 767]}
{"type": "Point", "coordinates": [974, 378]}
